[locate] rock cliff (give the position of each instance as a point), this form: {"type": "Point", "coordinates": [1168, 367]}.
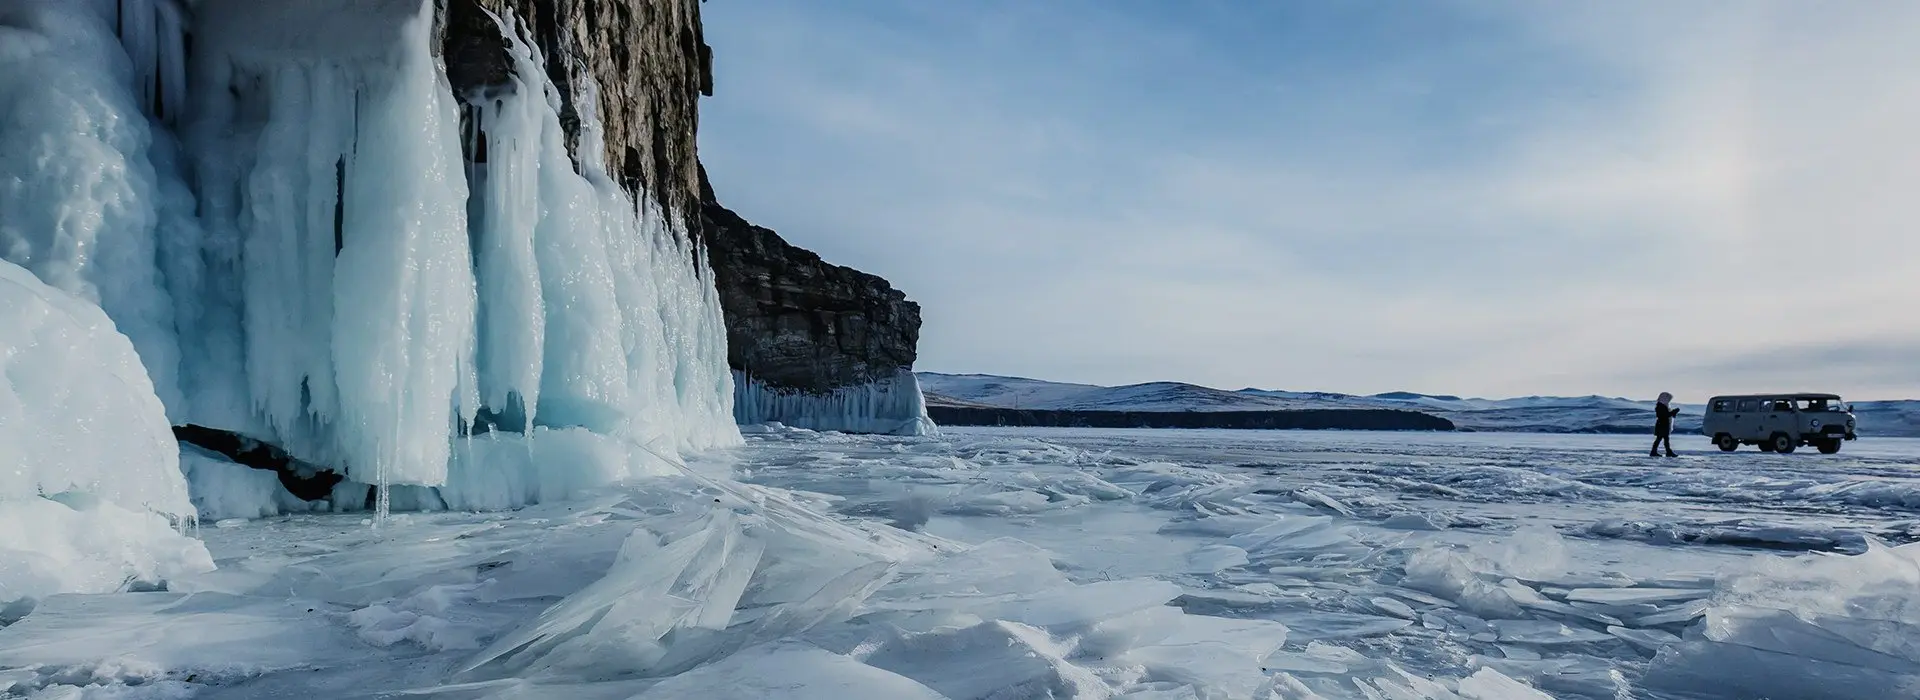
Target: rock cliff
{"type": "Point", "coordinates": [811, 344]}
{"type": "Point", "coordinates": [646, 59]}
{"type": "Point", "coordinates": [797, 322]}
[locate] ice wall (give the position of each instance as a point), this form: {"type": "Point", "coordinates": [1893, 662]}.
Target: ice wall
{"type": "Point", "coordinates": [596, 311]}
{"type": "Point", "coordinates": [81, 204]}
{"type": "Point", "coordinates": [328, 167]}
{"type": "Point", "coordinates": [363, 268]}
{"type": "Point", "coordinates": [889, 406]}
{"type": "Point", "coordinates": [394, 295]}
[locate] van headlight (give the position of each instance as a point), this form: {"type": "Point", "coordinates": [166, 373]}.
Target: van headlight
{"type": "Point", "coordinates": [1816, 424]}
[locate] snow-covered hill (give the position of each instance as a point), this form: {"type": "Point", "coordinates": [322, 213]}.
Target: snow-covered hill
{"type": "Point", "coordinates": [1536, 414]}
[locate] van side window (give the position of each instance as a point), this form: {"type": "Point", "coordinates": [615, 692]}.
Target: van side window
{"type": "Point", "coordinates": [1722, 406]}
{"type": "Point", "coordinates": [1749, 406]}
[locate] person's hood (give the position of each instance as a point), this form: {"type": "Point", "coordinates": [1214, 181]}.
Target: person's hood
{"type": "Point", "coordinates": [1665, 398]}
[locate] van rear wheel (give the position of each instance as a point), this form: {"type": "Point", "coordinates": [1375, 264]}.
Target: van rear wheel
{"type": "Point", "coordinates": [1783, 443]}
{"type": "Point", "coordinates": [1726, 442]}
{"type": "Point", "coordinates": [1829, 446]}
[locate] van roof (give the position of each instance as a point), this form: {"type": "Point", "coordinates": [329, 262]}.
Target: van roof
{"type": "Point", "coordinates": [1776, 397]}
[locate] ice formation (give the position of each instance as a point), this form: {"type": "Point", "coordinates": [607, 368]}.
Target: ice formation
{"type": "Point", "coordinates": [1810, 626]}
{"type": "Point", "coordinates": [346, 273]}
{"type": "Point", "coordinates": [81, 203]}
{"type": "Point", "coordinates": [77, 412]}
{"type": "Point", "coordinates": [887, 406]}
{"type": "Point", "coordinates": [90, 484]}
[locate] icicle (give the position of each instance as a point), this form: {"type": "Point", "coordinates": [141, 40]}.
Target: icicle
{"type": "Point", "coordinates": [81, 204]}
{"type": "Point", "coordinates": [320, 285]}
{"type": "Point", "coordinates": [633, 343]}
{"type": "Point", "coordinates": [889, 406]}
{"type": "Point", "coordinates": [332, 184]}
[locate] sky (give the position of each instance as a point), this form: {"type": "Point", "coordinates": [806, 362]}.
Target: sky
{"type": "Point", "coordinates": [1449, 196]}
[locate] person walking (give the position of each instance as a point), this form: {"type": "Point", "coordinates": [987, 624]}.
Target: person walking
{"type": "Point", "coordinates": [1663, 414]}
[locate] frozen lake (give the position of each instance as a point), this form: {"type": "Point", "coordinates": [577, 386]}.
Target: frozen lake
{"type": "Point", "coordinates": [996, 563]}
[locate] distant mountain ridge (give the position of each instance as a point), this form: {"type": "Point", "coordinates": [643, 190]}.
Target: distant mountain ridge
{"type": "Point", "coordinates": [1532, 414]}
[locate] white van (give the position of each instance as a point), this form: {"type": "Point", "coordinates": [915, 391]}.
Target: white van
{"type": "Point", "coordinates": [1778, 422]}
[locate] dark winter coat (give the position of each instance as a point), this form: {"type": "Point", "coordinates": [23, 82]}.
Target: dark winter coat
{"type": "Point", "coordinates": [1663, 418]}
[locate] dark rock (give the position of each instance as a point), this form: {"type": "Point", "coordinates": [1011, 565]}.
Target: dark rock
{"type": "Point", "coordinates": [796, 322]}
{"type": "Point", "coordinates": [1312, 419]}
{"type": "Point", "coordinates": [305, 480]}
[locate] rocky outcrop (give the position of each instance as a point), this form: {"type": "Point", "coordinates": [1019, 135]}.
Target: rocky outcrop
{"type": "Point", "coordinates": [1311, 419]}
{"type": "Point", "coordinates": [796, 322]}
{"type": "Point", "coordinates": [646, 59]}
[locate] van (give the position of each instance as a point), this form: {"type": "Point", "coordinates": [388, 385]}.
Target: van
{"type": "Point", "coordinates": [1778, 422]}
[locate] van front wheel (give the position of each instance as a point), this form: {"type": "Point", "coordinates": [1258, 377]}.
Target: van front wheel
{"type": "Point", "coordinates": [1829, 446]}
{"type": "Point", "coordinates": [1783, 443]}
{"type": "Point", "coordinates": [1726, 442]}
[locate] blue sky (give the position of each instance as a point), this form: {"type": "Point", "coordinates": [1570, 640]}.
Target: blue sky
{"type": "Point", "coordinates": [1460, 196]}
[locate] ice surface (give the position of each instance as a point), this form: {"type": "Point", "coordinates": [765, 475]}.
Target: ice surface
{"type": "Point", "coordinates": [1214, 558]}
{"type": "Point", "coordinates": [1533, 552]}
{"type": "Point", "coordinates": [1488, 684]}
{"type": "Point", "coordinates": [1544, 632]}
{"type": "Point", "coordinates": [887, 406]}
{"type": "Point", "coordinates": [1823, 626]}
{"type": "Point", "coordinates": [990, 659]}
{"type": "Point", "coordinates": [1217, 652]}
{"type": "Point", "coordinates": [1628, 596]}
{"type": "Point", "coordinates": [799, 582]}
{"type": "Point", "coordinates": [137, 638]}
{"type": "Point", "coordinates": [74, 543]}
{"type": "Point", "coordinates": [793, 670]}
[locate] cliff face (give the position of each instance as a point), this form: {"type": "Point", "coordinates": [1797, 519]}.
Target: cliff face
{"type": "Point", "coordinates": [796, 322]}
{"type": "Point", "coordinates": [646, 58]}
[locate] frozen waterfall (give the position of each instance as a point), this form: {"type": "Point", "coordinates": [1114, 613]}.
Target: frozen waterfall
{"type": "Point", "coordinates": [886, 406]}
{"type": "Point", "coordinates": [311, 240]}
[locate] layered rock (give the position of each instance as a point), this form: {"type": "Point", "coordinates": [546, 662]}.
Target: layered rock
{"type": "Point", "coordinates": [812, 344]}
